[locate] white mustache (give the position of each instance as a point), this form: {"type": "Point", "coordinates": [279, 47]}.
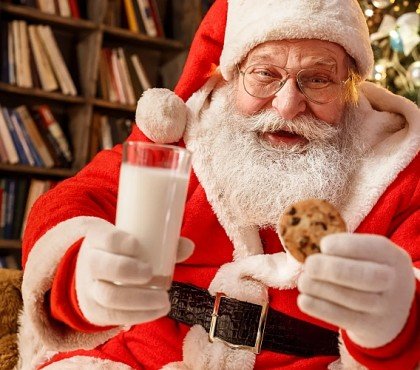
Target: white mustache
{"type": "Point", "coordinates": [307, 126]}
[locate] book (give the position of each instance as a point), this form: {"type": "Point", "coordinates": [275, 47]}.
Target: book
{"type": "Point", "coordinates": [25, 56]}
{"type": "Point", "coordinates": [56, 60]}
{"type": "Point", "coordinates": [7, 140]}
{"type": "Point", "coordinates": [42, 64]}
{"type": "Point", "coordinates": [140, 72]}
{"type": "Point", "coordinates": [117, 77]}
{"type": "Point", "coordinates": [36, 189]}
{"type": "Point", "coordinates": [48, 120]}
{"type": "Point", "coordinates": [131, 16]}
{"type": "Point", "coordinates": [23, 138]}
{"type": "Point", "coordinates": [147, 16]}
{"type": "Point", "coordinates": [125, 77]}
{"type": "Point", "coordinates": [137, 87]}
{"type": "Point", "coordinates": [112, 84]}
{"type": "Point", "coordinates": [3, 152]}
{"type": "Point", "coordinates": [157, 18]}
{"type": "Point", "coordinates": [106, 137]}
{"type": "Point", "coordinates": [17, 53]}
{"type": "Point", "coordinates": [11, 55]}
{"type": "Point", "coordinates": [35, 136]}
{"type": "Point", "coordinates": [74, 9]}
{"type": "Point", "coordinates": [63, 8]}
{"type": "Point", "coordinates": [16, 140]}
{"type": "Point", "coordinates": [50, 141]}
{"type": "Point", "coordinates": [46, 6]}
{"type": "Point", "coordinates": [139, 18]}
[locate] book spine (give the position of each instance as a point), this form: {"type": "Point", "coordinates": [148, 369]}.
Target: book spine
{"type": "Point", "coordinates": [7, 139]}
{"type": "Point", "coordinates": [140, 71]}
{"type": "Point", "coordinates": [64, 8]}
{"type": "Point", "coordinates": [16, 141]}
{"type": "Point", "coordinates": [131, 16]}
{"type": "Point", "coordinates": [125, 77]}
{"type": "Point", "coordinates": [3, 153]}
{"type": "Point", "coordinates": [24, 47]}
{"type": "Point", "coordinates": [11, 55]}
{"type": "Point", "coordinates": [45, 72]}
{"type": "Point", "coordinates": [157, 18]}
{"type": "Point", "coordinates": [149, 22]}
{"type": "Point", "coordinates": [54, 128]}
{"type": "Point", "coordinates": [22, 138]}
{"type": "Point", "coordinates": [74, 8]}
{"type": "Point", "coordinates": [56, 60]}
{"type": "Point", "coordinates": [35, 136]}
{"type": "Point", "coordinates": [28, 140]}
{"type": "Point", "coordinates": [17, 53]}
{"type": "Point", "coordinates": [117, 76]}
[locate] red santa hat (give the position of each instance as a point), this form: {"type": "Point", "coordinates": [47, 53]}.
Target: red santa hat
{"type": "Point", "coordinates": [231, 29]}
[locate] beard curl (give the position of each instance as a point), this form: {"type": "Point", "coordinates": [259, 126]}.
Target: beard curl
{"type": "Point", "coordinates": [254, 184]}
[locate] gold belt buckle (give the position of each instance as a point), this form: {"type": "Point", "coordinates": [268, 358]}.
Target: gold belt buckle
{"type": "Point", "coordinates": [260, 332]}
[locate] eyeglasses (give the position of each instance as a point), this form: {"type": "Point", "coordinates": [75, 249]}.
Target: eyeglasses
{"type": "Point", "coordinates": [265, 80]}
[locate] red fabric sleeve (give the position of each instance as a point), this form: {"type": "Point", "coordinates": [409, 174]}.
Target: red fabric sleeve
{"type": "Point", "coordinates": [402, 353]}
{"type": "Point", "coordinates": [63, 300]}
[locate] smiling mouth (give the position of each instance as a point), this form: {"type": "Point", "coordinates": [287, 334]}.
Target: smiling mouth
{"type": "Point", "coordinates": [282, 138]}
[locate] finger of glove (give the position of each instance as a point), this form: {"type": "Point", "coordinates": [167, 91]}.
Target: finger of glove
{"type": "Point", "coordinates": [365, 247]}
{"type": "Point", "coordinates": [129, 298]}
{"type": "Point", "coordinates": [350, 298]}
{"type": "Point", "coordinates": [185, 249]}
{"type": "Point", "coordinates": [330, 312]}
{"type": "Point", "coordinates": [118, 268]}
{"type": "Point", "coordinates": [115, 241]}
{"type": "Point", "coordinates": [360, 275]}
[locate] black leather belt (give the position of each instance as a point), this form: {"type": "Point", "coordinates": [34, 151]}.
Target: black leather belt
{"type": "Point", "coordinates": [246, 325]}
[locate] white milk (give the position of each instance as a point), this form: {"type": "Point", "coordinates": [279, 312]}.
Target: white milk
{"type": "Point", "coordinates": [150, 206]}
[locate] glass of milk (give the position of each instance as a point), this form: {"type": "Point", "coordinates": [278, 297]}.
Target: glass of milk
{"type": "Point", "coordinates": [151, 198]}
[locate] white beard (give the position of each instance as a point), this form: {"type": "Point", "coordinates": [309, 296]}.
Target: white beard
{"type": "Point", "coordinates": [251, 182]}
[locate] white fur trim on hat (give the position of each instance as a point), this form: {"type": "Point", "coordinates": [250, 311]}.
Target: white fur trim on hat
{"type": "Point", "coordinates": [161, 115]}
{"type": "Point", "coordinates": [250, 23]}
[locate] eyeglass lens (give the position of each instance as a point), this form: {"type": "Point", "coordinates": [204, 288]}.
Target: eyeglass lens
{"type": "Point", "coordinates": [318, 85]}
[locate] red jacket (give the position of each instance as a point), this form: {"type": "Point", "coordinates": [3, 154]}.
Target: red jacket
{"type": "Point", "coordinates": [93, 193]}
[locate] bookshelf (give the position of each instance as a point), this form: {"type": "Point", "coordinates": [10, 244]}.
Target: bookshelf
{"type": "Point", "coordinates": [80, 42]}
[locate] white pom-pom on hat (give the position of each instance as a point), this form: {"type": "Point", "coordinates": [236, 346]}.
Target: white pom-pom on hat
{"type": "Point", "coordinates": [161, 115]}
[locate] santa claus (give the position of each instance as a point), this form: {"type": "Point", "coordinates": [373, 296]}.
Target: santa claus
{"type": "Point", "coordinates": [273, 107]}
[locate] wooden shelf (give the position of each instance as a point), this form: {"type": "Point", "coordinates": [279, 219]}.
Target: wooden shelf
{"type": "Point", "coordinates": [41, 94]}
{"type": "Point", "coordinates": [48, 172]}
{"type": "Point", "coordinates": [114, 106]}
{"type": "Point", "coordinates": [6, 244]}
{"type": "Point", "coordinates": [30, 13]}
{"type": "Point", "coordinates": [158, 43]}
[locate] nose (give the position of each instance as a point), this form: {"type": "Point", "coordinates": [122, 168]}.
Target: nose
{"type": "Point", "coordinates": [289, 102]}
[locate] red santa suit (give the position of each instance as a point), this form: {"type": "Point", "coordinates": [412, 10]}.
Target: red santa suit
{"type": "Point", "coordinates": [385, 201]}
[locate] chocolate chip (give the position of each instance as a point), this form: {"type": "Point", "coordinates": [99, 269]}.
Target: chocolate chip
{"type": "Point", "coordinates": [303, 242]}
{"type": "Point", "coordinates": [295, 221]}
{"type": "Point", "coordinates": [292, 211]}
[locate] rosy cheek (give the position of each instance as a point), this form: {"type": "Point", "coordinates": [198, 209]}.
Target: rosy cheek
{"type": "Point", "coordinates": [331, 114]}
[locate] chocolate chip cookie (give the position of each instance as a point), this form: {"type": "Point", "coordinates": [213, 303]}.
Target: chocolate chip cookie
{"type": "Point", "coordinates": [305, 223]}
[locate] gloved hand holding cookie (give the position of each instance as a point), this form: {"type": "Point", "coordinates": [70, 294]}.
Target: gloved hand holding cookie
{"type": "Point", "coordinates": [362, 283]}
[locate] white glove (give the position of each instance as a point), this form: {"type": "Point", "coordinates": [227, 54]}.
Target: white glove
{"type": "Point", "coordinates": [362, 283]}
{"type": "Point", "coordinates": [109, 255]}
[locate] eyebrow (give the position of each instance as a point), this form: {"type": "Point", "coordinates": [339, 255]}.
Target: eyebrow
{"type": "Point", "coordinates": [315, 61]}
